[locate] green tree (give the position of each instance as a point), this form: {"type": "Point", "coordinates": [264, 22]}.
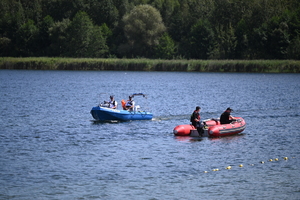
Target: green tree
{"type": "Point", "coordinates": [83, 39]}
{"type": "Point", "coordinates": [97, 47]}
{"type": "Point", "coordinates": [166, 8]}
{"type": "Point", "coordinates": [4, 46]}
{"type": "Point", "coordinates": [33, 10]}
{"type": "Point", "coordinates": [279, 41]}
{"type": "Point", "coordinates": [241, 33]}
{"type": "Point", "coordinates": [12, 18]}
{"type": "Point", "coordinates": [27, 39]}
{"type": "Point", "coordinates": [184, 17]}
{"type": "Point", "coordinates": [44, 41]}
{"type": "Point", "coordinates": [201, 40]}
{"type": "Point", "coordinates": [201, 10]}
{"type": "Point", "coordinates": [79, 35]}
{"type": "Point", "coordinates": [63, 9]}
{"type": "Point", "coordinates": [143, 27]}
{"type": "Point", "coordinates": [293, 51]}
{"type": "Point", "coordinates": [226, 41]}
{"type": "Point", "coordinates": [294, 31]}
{"type": "Point", "coordinates": [223, 12]}
{"type": "Point", "coordinates": [107, 34]}
{"type": "Point", "coordinates": [166, 47]}
{"type": "Point", "coordinates": [58, 37]}
{"type": "Point", "coordinates": [271, 40]}
{"type": "Point", "coordinates": [264, 29]}
{"type": "Point", "coordinates": [180, 23]}
{"type": "Point", "coordinates": [104, 12]}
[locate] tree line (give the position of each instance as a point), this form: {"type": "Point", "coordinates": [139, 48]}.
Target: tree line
{"type": "Point", "coordinates": [163, 29]}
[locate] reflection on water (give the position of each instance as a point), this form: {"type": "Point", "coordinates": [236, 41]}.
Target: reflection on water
{"type": "Point", "coordinates": [188, 139]}
{"type": "Point", "coordinates": [227, 139]}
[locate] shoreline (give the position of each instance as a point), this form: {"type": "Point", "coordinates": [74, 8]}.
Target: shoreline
{"type": "Point", "coordinates": [115, 64]}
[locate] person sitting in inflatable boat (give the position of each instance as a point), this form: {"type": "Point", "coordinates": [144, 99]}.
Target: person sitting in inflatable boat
{"type": "Point", "coordinates": [225, 117]}
{"type": "Point", "coordinates": [129, 105]}
{"type": "Point", "coordinates": [112, 103]}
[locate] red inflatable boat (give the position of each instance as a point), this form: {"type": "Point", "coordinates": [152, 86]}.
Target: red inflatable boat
{"type": "Point", "coordinates": [212, 128]}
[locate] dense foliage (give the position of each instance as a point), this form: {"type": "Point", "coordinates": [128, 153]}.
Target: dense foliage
{"type": "Point", "coordinates": [166, 29]}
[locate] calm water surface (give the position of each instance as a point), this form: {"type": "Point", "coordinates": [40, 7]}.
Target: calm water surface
{"type": "Point", "coordinates": [50, 147]}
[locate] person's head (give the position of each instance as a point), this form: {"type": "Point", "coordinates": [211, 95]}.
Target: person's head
{"type": "Point", "coordinates": [111, 97]}
{"type": "Point", "coordinates": [130, 97]}
{"type": "Point", "coordinates": [229, 109]}
{"type": "Point", "coordinates": [198, 108]}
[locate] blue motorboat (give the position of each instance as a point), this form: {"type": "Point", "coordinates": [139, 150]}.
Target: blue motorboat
{"type": "Point", "coordinates": [102, 112]}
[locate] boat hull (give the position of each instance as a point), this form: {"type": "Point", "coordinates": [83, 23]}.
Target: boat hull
{"type": "Point", "coordinates": [227, 129]}
{"type": "Point", "coordinates": [212, 128]}
{"type": "Point", "coordinates": [108, 114]}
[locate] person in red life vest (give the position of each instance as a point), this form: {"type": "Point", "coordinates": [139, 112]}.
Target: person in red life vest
{"type": "Point", "coordinates": [129, 104]}
{"type": "Point", "coordinates": [123, 104]}
{"type": "Point", "coordinates": [195, 119]}
{"type": "Point", "coordinates": [225, 117]}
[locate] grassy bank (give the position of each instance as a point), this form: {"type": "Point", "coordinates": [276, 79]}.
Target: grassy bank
{"type": "Point", "coordinates": [42, 63]}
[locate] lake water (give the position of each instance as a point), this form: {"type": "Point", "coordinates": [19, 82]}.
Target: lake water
{"type": "Point", "coordinates": [50, 147]}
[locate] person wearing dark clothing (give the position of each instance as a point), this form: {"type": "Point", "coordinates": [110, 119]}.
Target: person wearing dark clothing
{"type": "Point", "coordinates": [195, 119]}
{"type": "Point", "coordinates": [226, 118]}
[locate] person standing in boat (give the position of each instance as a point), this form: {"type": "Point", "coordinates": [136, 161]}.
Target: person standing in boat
{"type": "Point", "coordinates": [195, 119]}
{"type": "Point", "coordinates": [129, 104]}
{"type": "Point", "coordinates": [225, 117]}
{"type": "Point", "coordinates": [112, 103]}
